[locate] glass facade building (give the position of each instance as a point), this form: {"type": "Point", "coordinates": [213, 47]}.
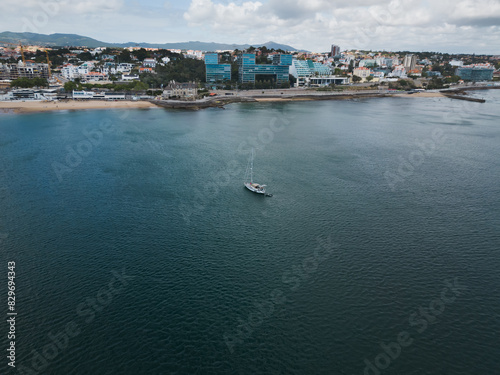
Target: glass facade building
{"type": "Point", "coordinates": [303, 69]}
{"type": "Point", "coordinates": [248, 69]}
{"type": "Point", "coordinates": [475, 73]}
{"type": "Point", "coordinates": [282, 60]}
{"type": "Point", "coordinates": [214, 71]}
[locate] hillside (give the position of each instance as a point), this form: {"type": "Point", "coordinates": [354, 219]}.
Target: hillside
{"type": "Point", "coordinates": [74, 40]}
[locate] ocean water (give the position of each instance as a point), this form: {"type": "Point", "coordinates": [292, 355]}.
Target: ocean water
{"type": "Point", "coordinates": [139, 251]}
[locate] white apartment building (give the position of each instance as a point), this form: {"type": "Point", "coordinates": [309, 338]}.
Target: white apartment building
{"type": "Point", "coordinates": [194, 54]}
{"type": "Point", "coordinates": [123, 68]}
{"type": "Point", "coordinates": [70, 71]}
{"type": "Point", "coordinates": [456, 63]}
{"type": "Point", "coordinates": [150, 63]}
{"type": "Point", "coordinates": [129, 77]}
{"type": "Point", "coordinates": [399, 71]}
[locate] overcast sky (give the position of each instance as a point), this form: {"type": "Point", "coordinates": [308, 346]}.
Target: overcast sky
{"type": "Point", "coordinates": [454, 26]}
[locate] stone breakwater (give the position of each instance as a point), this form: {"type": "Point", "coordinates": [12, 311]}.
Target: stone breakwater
{"type": "Point", "coordinates": [221, 101]}
{"type": "Point", "coordinates": [200, 104]}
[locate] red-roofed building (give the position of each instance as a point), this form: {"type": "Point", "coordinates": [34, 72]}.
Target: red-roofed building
{"type": "Point", "coordinates": [146, 69]}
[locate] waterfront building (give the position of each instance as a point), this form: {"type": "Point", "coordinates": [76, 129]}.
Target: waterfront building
{"type": "Point", "coordinates": [327, 80]}
{"type": "Point", "coordinates": [279, 59]}
{"type": "Point", "coordinates": [304, 70]}
{"type": "Point", "coordinates": [180, 90]}
{"type": "Point", "coordinates": [362, 72]}
{"type": "Point", "coordinates": [114, 96]}
{"type": "Point", "coordinates": [83, 94]}
{"type": "Point", "coordinates": [278, 71]}
{"type": "Point", "coordinates": [214, 71]}
{"type": "Point", "coordinates": [476, 72]}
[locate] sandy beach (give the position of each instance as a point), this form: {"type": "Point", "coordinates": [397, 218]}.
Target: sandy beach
{"type": "Point", "coordinates": [283, 99]}
{"type": "Point", "coordinates": [420, 95]}
{"type": "Point", "coordinates": [42, 106]}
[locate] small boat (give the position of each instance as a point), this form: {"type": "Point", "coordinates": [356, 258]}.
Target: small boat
{"type": "Point", "coordinates": [253, 186]}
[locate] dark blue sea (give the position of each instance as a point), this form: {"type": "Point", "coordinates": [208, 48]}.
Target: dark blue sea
{"type": "Point", "coordinates": [138, 250]}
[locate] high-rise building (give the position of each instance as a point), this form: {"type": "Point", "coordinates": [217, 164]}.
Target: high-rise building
{"type": "Point", "coordinates": [410, 62]}
{"type": "Point", "coordinates": [335, 51]}
{"type": "Point", "coordinates": [279, 70]}
{"type": "Point", "coordinates": [214, 71]}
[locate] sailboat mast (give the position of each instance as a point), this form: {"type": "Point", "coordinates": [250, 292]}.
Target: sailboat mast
{"type": "Point", "coordinates": [251, 168]}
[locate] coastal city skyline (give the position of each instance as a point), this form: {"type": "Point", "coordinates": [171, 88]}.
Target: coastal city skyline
{"type": "Point", "coordinates": [250, 187]}
{"type": "Point", "coordinates": [450, 27]}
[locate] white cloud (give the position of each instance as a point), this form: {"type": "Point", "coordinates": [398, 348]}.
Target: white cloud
{"type": "Point", "coordinates": [447, 25]}
{"type": "Point", "coordinates": [368, 24]}
{"type": "Point", "coordinates": [207, 13]}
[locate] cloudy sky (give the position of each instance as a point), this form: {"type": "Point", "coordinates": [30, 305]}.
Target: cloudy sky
{"type": "Point", "coordinates": [455, 26]}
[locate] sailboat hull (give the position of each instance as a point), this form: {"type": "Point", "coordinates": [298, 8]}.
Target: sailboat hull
{"type": "Point", "coordinates": [255, 188]}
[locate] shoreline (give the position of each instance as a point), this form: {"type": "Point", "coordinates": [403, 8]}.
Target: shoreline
{"type": "Point", "coordinates": [36, 106]}
{"type": "Point", "coordinates": [22, 107]}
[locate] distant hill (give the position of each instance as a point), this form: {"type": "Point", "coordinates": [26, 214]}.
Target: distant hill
{"type": "Point", "coordinates": [74, 40]}
{"type": "Point", "coordinates": [52, 39]}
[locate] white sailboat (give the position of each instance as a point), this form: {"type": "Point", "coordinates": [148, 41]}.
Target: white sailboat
{"type": "Point", "coordinates": [250, 185]}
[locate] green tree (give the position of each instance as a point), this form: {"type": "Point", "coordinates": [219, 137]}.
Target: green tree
{"type": "Point", "coordinates": [369, 78]}
{"type": "Point", "coordinates": [141, 54]}
{"type": "Point", "coordinates": [351, 66]}
{"type": "Point", "coordinates": [234, 71]}
{"type": "Point", "coordinates": [69, 86]}
{"type": "Point", "coordinates": [452, 79]}
{"type": "Point", "coordinates": [356, 79]}
{"type": "Point", "coordinates": [85, 56]}
{"type": "Point", "coordinates": [29, 82]}
{"type": "Point", "coordinates": [124, 56]}
{"type": "Point", "coordinates": [140, 86]}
